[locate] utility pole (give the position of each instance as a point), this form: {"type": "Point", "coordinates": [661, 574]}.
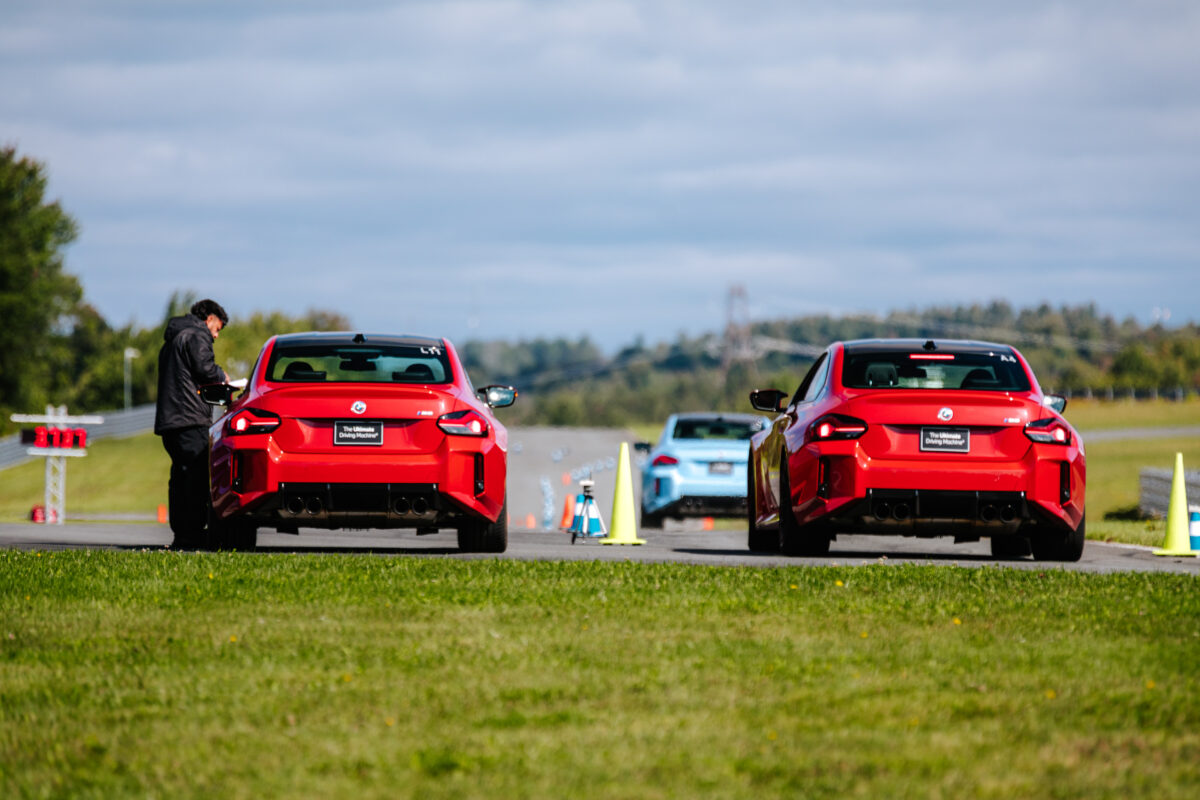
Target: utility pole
{"type": "Point", "coordinates": [737, 344]}
{"type": "Point", "coordinates": [130, 354]}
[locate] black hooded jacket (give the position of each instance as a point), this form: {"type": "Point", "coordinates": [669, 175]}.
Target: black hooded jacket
{"type": "Point", "coordinates": [185, 363]}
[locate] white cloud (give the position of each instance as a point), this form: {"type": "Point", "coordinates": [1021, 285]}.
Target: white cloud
{"type": "Point", "coordinates": [919, 152]}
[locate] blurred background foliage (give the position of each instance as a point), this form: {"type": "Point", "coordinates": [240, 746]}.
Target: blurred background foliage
{"type": "Point", "coordinates": [57, 348]}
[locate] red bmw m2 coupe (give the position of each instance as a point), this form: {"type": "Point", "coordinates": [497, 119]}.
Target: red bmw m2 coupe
{"type": "Point", "coordinates": [917, 438]}
{"type": "Point", "coordinates": [344, 430]}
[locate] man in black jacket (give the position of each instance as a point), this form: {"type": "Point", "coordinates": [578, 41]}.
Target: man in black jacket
{"type": "Point", "coordinates": [185, 363]}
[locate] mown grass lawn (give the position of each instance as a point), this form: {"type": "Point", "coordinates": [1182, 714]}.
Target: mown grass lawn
{"type": "Point", "coordinates": [135, 674]}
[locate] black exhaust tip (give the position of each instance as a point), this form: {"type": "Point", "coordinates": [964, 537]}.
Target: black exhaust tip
{"type": "Point", "coordinates": [295, 504]}
{"type": "Point", "coordinates": [988, 513]}
{"type": "Point", "coordinates": [313, 505]}
{"type": "Point", "coordinates": [401, 505]}
{"type": "Point", "coordinates": [1008, 514]}
{"type": "Point", "coordinates": [901, 512]}
{"type": "Point", "coordinates": [420, 505]}
{"type": "Point", "coordinates": [882, 511]}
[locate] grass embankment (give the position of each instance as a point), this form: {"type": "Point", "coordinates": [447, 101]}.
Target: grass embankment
{"type": "Point", "coordinates": [230, 675]}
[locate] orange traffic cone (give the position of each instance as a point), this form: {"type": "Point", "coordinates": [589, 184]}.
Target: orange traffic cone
{"type": "Point", "coordinates": [568, 512]}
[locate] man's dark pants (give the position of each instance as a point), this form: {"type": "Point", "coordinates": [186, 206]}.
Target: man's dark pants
{"type": "Point", "coordinates": [187, 490]}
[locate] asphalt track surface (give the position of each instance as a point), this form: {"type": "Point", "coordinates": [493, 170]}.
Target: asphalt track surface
{"type": "Point", "coordinates": [545, 465]}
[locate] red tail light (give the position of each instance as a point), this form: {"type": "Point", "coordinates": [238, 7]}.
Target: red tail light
{"type": "Point", "coordinates": [664, 461]}
{"type": "Point", "coordinates": [463, 423]}
{"type": "Point", "coordinates": [252, 420]}
{"type": "Point", "coordinates": [1048, 431]}
{"type": "Point", "coordinates": [835, 426]}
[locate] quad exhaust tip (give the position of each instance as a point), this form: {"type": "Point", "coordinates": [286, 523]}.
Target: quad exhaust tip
{"type": "Point", "coordinates": [884, 510]}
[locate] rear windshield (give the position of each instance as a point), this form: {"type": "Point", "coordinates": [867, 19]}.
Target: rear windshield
{"type": "Point", "coordinates": [715, 429]}
{"type": "Point", "coordinates": [319, 362]}
{"type": "Point", "coordinates": [997, 371]}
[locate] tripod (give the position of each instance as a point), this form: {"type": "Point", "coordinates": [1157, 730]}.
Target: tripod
{"type": "Point", "coordinates": [587, 522]}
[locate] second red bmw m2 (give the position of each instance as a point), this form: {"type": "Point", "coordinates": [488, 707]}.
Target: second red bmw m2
{"type": "Point", "coordinates": [918, 438]}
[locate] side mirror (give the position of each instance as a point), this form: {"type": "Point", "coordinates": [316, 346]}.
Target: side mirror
{"type": "Point", "coordinates": [1055, 402]}
{"type": "Point", "coordinates": [642, 447]}
{"type": "Point", "coordinates": [773, 400]}
{"type": "Point", "coordinates": [217, 394]}
{"type": "Point", "coordinates": [497, 396]}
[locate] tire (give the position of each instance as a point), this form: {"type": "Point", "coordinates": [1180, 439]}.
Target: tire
{"type": "Point", "coordinates": [1010, 546]}
{"type": "Point", "coordinates": [232, 534]}
{"type": "Point", "coordinates": [481, 536]}
{"type": "Point", "coordinates": [796, 539]}
{"type": "Point", "coordinates": [1060, 546]}
{"type": "Point", "coordinates": [651, 520]}
{"type": "Point", "coordinates": [757, 539]}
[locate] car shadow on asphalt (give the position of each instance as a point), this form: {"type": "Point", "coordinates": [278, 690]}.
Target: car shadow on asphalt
{"type": "Point", "coordinates": [875, 555]}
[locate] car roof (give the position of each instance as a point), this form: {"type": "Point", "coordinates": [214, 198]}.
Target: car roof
{"type": "Point", "coordinates": [350, 338]}
{"type": "Point", "coordinates": [729, 415]}
{"type": "Point", "coordinates": [909, 345]}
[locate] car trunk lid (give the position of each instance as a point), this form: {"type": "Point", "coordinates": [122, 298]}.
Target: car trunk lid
{"type": "Point", "coordinates": [327, 419]}
{"type": "Point", "coordinates": [932, 424]}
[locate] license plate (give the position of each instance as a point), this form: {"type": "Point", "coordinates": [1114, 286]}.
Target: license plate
{"type": "Point", "coordinates": [358, 432]}
{"type": "Point", "coordinates": [945, 440]}
{"type": "Point", "coordinates": [720, 468]}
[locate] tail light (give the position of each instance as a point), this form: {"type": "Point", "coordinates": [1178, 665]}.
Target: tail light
{"type": "Point", "coordinates": [252, 420]}
{"type": "Point", "coordinates": [664, 461]}
{"type": "Point", "coordinates": [835, 426]}
{"type": "Point", "coordinates": [1048, 431]}
{"type": "Point", "coordinates": [467, 422]}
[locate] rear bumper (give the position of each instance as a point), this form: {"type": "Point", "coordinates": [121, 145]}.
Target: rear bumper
{"type": "Point", "coordinates": [357, 505]}
{"type": "Point", "coordinates": [936, 512]}
{"type": "Point", "coordinates": [854, 492]}
{"type": "Point", "coordinates": [257, 481]}
{"type": "Point", "coordinates": [667, 492]}
{"type": "Point", "coordinates": [702, 506]}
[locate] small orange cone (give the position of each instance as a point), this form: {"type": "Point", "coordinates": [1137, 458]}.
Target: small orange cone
{"type": "Point", "coordinates": [530, 521]}
{"type": "Point", "coordinates": [162, 513]}
{"type": "Point", "coordinates": [568, 512]}
{"type": "Point", "coordinates": [707, 524]}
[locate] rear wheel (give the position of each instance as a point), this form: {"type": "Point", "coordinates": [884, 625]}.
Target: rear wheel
{"type": "Point", "coordinates": [1010, 546]}
{"type": "Point", "coordinates": [651, 520]}
{"type": "Point", "coordinates": [481, 536]}
{"type": "Point", "coordinates": [1060, 546]}
{"type": "Point", "coordinates": [757, 539]}
{"type": "Point", "coordinates": [796, 539]}
{"type": "Point", "coordinates": [231, 534]}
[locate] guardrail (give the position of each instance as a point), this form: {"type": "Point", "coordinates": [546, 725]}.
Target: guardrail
{"type": "Point", "coordinates": [117, 425]}
{"type": "Point", "coordinates": [1154, 495]}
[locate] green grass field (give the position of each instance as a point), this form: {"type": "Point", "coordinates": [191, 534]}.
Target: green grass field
{"type": "Point", "coordinates": [136, 674]}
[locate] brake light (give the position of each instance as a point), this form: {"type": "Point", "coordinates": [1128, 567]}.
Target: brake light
{"type": "Point", "coordinates": [931, 356]}
{"type": "Point", "coordinates": [1048, 431]}
{"type": "Point", "coordinates": [251, 421]}
{"type": "Point", "coordinates": [664, 461]}
{"type": "Point", "coordinates": [467, 422]}
{"type": "Point", "coordinates": [835, 426]}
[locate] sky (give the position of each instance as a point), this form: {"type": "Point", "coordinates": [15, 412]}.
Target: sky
{"type": "Point", "coordinates": [520, 168]}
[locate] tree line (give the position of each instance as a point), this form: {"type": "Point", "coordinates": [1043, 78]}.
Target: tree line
{"type": "Point", "coordinates": [56, 348]}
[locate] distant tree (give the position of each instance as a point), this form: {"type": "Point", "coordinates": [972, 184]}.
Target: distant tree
{"type": "Point", "coordinates": [37, 297]}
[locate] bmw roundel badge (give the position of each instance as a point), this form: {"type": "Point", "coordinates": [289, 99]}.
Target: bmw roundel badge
{"type": "Point", "coordinates": [946, 414]}
{"type": "Point", "coordinates": [360, 407]}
